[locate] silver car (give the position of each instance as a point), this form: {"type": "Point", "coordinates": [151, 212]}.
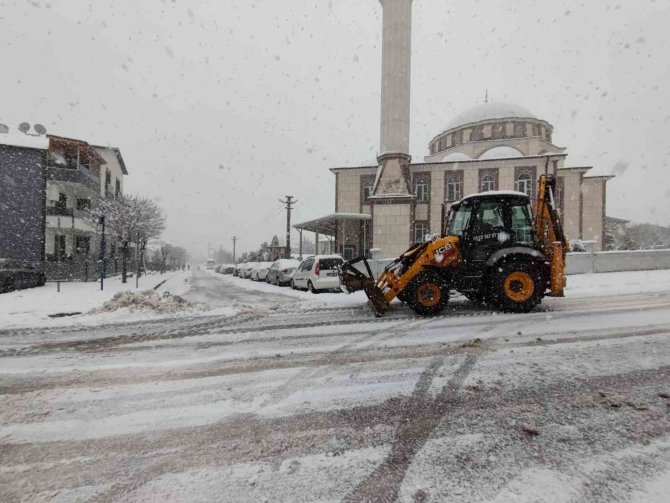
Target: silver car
{"type": "Point", "coordinates": [280, 271]}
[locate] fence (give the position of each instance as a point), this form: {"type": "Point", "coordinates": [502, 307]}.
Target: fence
{"type": "Point", "coordinates": [83, 268]}
{"type": "Point", "coordinates": [581, 263]}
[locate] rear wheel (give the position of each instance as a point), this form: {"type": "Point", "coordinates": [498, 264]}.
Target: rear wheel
{"type": "Point", "coordinates": [310, 288]}
{"type": "Point", "coordinates": [293, 285]}
{"type": "Point", "coordinates": [517, 286]}
{"type": "Point", "coordinates": [427, 294]}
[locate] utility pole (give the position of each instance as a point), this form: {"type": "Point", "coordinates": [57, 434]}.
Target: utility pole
{"type": "Point", "coordinates": [289, 206]}
{"type": "Point", "coordinates": [234, 243]}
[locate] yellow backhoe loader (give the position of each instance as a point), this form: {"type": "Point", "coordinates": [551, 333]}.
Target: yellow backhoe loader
{"type": "Point", "coordinates": [494, 251]}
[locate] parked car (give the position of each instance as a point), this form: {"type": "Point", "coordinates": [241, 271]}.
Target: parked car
{"type": "Point", "coordinates": [13, 276]}
{"type": "Point", "coordinates": [244, 270]}
{"type": "Point", "coordinates": [260, 271]}
{"type": "Point", "coordinates": [217, 268]}
{"type": "Point", "coordinates": [280, 271]}
{"type": "Point", "coordinates": [227, 269]}
{"type": "Point", "coordinates": [318, 273]}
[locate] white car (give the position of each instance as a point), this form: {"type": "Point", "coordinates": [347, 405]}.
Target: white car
{"type": "Point", "coordinates": [260, 271]}
{"type": "Point", "coordinates": [317, 273]}
{"type": "Point", "coordinates": [245, 269]}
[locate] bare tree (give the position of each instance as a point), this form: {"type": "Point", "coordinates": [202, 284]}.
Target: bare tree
{"type": "Point", "coordinates": [131, 218]}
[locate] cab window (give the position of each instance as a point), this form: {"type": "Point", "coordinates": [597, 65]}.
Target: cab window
{"type": "Point", "coordinates": [522, 224]}
{"type": "Point", "coordinates": [459, 219]}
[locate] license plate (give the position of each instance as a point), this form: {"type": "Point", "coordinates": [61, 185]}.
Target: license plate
{"type": "Point", "coordinates": [331, 274]}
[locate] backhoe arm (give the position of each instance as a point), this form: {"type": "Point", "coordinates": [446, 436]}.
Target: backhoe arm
{"type": "Point", "coordinates": [549, 233]}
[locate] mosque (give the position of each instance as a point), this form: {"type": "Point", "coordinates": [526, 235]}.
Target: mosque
{"type": "Point", "coordinates": [492, 146]}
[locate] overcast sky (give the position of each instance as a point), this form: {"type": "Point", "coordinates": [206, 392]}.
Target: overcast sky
{"type": "Point", "coordinates": [222, 107]}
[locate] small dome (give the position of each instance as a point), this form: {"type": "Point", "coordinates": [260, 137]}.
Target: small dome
{"type": "Point", "coordinates": [501, 153]}
{"type": "Point", "coordinates": [456, 156]}
{"type": "Point", "coordinates": [488, 111]}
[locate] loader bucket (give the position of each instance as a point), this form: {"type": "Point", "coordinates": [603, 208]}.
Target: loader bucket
{"type": "Point", "coordinates": [353, 280]}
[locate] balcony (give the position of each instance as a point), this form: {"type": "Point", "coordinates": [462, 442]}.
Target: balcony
{"type": "Point", "coordinates": [70, 219]}
{"type": "Point", "coordinates": [81, 176]}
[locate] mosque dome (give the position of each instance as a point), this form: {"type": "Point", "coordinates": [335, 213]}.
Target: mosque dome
{"type": "Point", "coordinates": [489, 111]}
{"type": "Point", "coordinates": [478, 130]}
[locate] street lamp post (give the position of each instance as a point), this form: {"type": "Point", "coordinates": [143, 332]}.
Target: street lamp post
{"type": "Point", "coordinates": [103, 245]}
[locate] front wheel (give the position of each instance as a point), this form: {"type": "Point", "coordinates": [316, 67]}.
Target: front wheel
{"type": "Point", "coordinates": [516, 287]}
{"type": "Point", "coordinates": [427, 294]}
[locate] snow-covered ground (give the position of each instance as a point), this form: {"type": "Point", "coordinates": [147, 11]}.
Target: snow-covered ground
{"type": "Point", "coordinates": [301, 399]}
{"type": "Point", "coordinates": [32, 307]}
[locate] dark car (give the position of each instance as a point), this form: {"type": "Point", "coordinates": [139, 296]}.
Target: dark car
{"type": "Point", "coordinates": [13, 276]}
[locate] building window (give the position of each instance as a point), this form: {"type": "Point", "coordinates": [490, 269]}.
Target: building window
{"type": "Point", "coordinates": [82, 245]}
{"type": "Point", "coordinates": [118, 188]}
{"type": "Point", "coordinates": [524, 184]}
{"type": "Point", "coordinates": [477, 133]}
{"type": "Point", "coordinates": [519, 130]}
{"type": "Point", "coordinates": [421, 190]}
{"type": "Point", "coordinates": [421, 229]}
{"type": "Point", "coordinates": [559, 197]}
{"type": "Point", "coordinates": [488, 183]}
{"type": "Point", "coordinates": [83, 204]}
{"type": "Point", "coordinates": [453, 186]}
{"type": "Point", "coordinates": [367, 186]}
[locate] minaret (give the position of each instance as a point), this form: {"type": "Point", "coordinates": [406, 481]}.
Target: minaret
{"type": "Point", "coordinates": [392, 203]}
{"type": "Point", "coordinates": [394, 158]}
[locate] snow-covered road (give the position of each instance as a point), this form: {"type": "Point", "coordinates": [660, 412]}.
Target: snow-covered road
{"type": "Point", "coordinates": [568, 403]}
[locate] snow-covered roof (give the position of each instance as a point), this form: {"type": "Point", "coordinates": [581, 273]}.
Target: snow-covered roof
{"type": "Point", "coordinates": [487, 111]}
{"type": "Point", "coordinates": [502, 152]}
{"type": "Point", "coordinates": [327, 224]}
{"type": "Point", "coordinates": [19, 139]}
{"type": "Point", "coordinates": [491, 193]}
{"type": "Point", "coordinates": [456, 156]}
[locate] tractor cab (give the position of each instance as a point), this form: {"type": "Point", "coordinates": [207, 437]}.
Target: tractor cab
{"type": "Point", "coordinates": [489, 222]}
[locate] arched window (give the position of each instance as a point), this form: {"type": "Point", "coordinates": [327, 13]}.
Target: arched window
{"type": "Point", "coordinates": [524, 184]}
{"type": "Point", "coordinates": [421, 190]}
{"type": "Point", "coordinates": [488, 183]}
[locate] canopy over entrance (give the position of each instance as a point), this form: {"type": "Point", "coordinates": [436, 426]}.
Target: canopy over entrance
{"type": "Point", "coordinates": [328, 224]}
{"type": "Point", "coordinates": [348, 232]}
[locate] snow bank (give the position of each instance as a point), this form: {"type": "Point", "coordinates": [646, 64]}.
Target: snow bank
{"type": "Point", "coordinates": [32, 307]}
{"type": "Point", "coordinates": [149, 300]}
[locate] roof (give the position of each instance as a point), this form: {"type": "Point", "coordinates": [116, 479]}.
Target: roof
{"type": "Point", "coordinates": [496, 194]}
{"type": "Point", "coordinates": [117, 155]}
{"type": "Point", "coordinates": [488, 111]}
{"type": "Point", "coordinates": [328, 224]}
{"type": "Point", "coordinates": [18, 139]}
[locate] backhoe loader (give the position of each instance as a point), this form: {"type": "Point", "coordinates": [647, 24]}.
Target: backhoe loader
{"type": "Point", "coordinates": [493, 251]}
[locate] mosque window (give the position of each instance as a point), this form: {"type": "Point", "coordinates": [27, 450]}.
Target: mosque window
{"type": "Point", "coordinates": [498, 130]}
{"type": "Point", "coordinates": [421, 187]}
{"type": "Point", "coordinates": [453, 186]}
{"type": "Point", "coordinates": [421, 229]}
{"type": "Point", "coordinates": [524, 183]}
{"type": "Point", "coordinates": [477, 133]}
{"type": "Point", "coordinates": [488, 183]}
{"type": "Point", "coordinates": [367, 188]}
{"type": "Point", "coordinates": [519, 129]}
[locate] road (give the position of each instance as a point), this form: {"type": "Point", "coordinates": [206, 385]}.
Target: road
{"type": "Point", "coordinates": [568, 403]}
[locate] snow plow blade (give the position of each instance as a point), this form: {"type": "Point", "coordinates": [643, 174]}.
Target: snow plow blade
{"type": "Point", "coordinates": [353, 280]}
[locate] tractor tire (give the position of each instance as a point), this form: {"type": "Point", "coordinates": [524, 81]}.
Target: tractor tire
{"type": "Point", "coordinates": [402, 297]}
{"type": "Point", "coordinates": [427, 294]}
{"type": "Point", "coordinates": [516, 286]}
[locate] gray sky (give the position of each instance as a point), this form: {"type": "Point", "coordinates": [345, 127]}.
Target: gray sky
{"type": "Point", "coordinates": [222, 107]}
